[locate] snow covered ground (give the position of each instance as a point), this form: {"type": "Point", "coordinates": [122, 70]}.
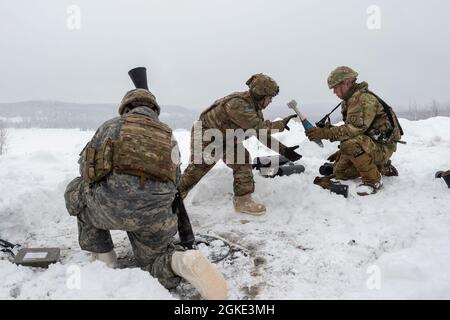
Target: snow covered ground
{"type": "Point", "coordinates": [311, 244]}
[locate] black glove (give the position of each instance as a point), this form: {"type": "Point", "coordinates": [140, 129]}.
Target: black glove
{"type": "Point", "coordinates": [287, 119]}
{"type": "Point", "coordinates": [291, 154]}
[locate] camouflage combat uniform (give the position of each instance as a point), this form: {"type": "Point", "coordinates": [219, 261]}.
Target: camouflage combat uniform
{"type": "Point", "coordinates": [141, 206]}
{"type": "Point", "coordinates": [236, 111]}
{"type": "Point", "coordinates": [361, 153]}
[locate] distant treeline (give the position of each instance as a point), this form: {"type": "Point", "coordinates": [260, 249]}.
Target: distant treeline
{"type": "Point", "coordinates": [433, 109]}
{"type": "Point", "coordinates": [54, 114]}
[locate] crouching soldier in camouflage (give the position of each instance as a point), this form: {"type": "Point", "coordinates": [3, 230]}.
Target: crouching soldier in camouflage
{"type": "Point", "coordinates": [237, 111]}
{"type": "Point", "coordinates": [129, 182]}
{"type": "Point", "coordinates": [369, 136]}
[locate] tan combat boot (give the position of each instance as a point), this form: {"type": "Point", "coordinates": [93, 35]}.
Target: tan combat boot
{"type": "Point", "coordinates": [388, 170]}
{"type": "Point", "coordinates": [246, 204]}
{"type": "Point", "coordinates": [367, 188]}
{"type": "Point", "coordinates": [109, 258]}
{"type": "Point", "coordinates": [202, 274]}
{"type": "Point", "coordinates": [371, 177]}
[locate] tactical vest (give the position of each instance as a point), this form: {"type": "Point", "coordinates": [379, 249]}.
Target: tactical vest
{"type": "Point", "coordinates": [385, 127]}
{"type": "Point", "coordinates": [216, 115]}
{"type": "Point", "coordinates": [143, 149]}
{"type": "Point", "coordinates": [396, 131]}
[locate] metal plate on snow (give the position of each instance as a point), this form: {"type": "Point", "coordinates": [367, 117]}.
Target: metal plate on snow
{"type": "Point", "coordinates": [37, 257]}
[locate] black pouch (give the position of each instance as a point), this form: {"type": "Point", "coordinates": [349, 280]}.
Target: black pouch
{"type": "Point", "coordinates": [74, 196]}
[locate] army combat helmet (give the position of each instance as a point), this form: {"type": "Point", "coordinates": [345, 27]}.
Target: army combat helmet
{"type": "Point", "coordinates": [140, 96]}
{"type": "Point", "coordinates": [261, 86]}
{"type": "Point", "coordinates": [340, 74]}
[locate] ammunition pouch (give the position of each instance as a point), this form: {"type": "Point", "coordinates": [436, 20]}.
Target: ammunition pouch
{"type": "Point", "coordinates": [74, 197]}
{"type": "Point", "coordinates": [98, 162]}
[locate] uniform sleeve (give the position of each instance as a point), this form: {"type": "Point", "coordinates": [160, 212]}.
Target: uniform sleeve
{"type": "Point", "coordinates": [109, 129]}
{"type": "Point", "coordinates": [359, 116]}
{"type": "Point", "coordinates": [245, 116]}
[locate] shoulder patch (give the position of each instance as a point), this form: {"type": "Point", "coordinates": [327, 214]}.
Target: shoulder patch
{"type": "Point", "coordinates": [249, 108]}
{"type": "Point", "coordinates": [238, 103]}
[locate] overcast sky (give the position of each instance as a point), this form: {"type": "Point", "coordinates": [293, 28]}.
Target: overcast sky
{"type": "Point", "coordinates": [199, 50]}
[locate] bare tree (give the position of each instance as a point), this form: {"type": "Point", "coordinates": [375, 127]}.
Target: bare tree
{"type": "Point", "coordinates": [413, 110]}
{"type": "Point", "coordinates": [434, 108]}
{"type": "Point", "coordinates": [3, 137]}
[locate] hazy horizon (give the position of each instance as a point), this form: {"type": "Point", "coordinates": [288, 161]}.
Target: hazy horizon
{"type": "Point", "coordinates": [198, 51]}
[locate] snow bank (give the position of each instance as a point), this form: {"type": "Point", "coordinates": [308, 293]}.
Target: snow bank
{"type": "Point", "coordinates": [310, 244]}
{"type": "Point", "coordinates": [89, 281]}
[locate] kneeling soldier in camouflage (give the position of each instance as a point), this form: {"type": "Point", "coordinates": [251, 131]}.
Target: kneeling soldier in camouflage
{"type": "Point", "coordinates": [237, 111]}
{"type": "Point", "coordinates": [129, 182]}
{"type": "Point", "coordinates": [369, 136]}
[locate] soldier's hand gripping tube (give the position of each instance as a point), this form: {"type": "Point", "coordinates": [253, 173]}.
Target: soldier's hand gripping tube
{"type": "Point", "coordinates": [305, 122]}
{"type": "Point", "coordinates": [139, 77]}
{"type": "Point", "coordinates": [185, 232]}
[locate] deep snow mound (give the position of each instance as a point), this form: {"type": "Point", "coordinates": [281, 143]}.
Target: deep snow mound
{"type": "Point", "coordinates": [310, 244]}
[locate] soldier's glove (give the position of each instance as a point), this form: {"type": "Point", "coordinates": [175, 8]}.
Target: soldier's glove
{"type": "Point", "coordinates": [335, 156]}
{"type": "Point", "coordinates": [291, 154]}
{"type": "Point", "coordinates": [280, 125]}
{"type": "Point", "coordinates": [316, 134]}
{"type": "Point", "coordinates": [287, 119]}
{"type": "Point", "coordinates": [328, 124]}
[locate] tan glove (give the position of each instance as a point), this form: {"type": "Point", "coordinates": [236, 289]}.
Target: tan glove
{"type": "Point", "coordinates": [282, 124]}
{"type": "Point", "coordinates": [316, 134]}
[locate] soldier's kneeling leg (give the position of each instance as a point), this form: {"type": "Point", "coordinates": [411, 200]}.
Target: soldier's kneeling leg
{"type": "Point", "coordinates": [153, 248]}
{"type": "Point", "coordinates": [356, 151]}
{"type": "Point", "coordinates": [343, 169]}
{"type": "Point", "coordinates": [243, 182]}
{"type": "Point", "coordinates": [90, 238]}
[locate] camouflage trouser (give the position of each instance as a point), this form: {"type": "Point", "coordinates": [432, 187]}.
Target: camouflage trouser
{"type": "Point", "coordinates": [362, 157]}
{"type": "Point", "coordinates": [118, 204]}
{"type": "Point", "coordinates": [242, 170]}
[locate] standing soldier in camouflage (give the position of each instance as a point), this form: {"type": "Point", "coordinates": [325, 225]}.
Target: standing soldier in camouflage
{"type": "Point", "coordinates": [129, 182]}
{"type": "Point", "coordinates": [239, 110]}
{"type": "Point", "coordinates": [369, 136]}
